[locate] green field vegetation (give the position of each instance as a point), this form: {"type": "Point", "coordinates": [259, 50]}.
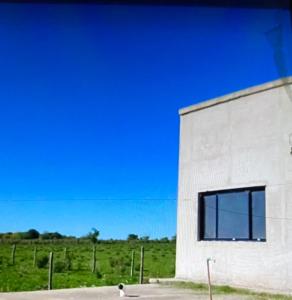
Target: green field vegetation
{"type": "Point", "coordinates": [74, 269]}
{"type": "Point", "coordinates": [200, 288]}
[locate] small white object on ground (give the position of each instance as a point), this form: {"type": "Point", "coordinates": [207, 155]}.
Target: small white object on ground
{"type": "Point", "coordinates": [121, 288]}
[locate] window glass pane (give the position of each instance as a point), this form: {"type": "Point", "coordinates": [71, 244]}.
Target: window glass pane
{"type": "Point", "coordinates": [233, 220]}
{"type": "Point", "coordinates": [210, 217]}
{"type": "Point", "coordinates": [258, 215]}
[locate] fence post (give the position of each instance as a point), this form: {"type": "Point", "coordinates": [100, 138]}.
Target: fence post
{"type": "Point", "coordinates": [34, 256]}
{"type": "Point", "coordinates": [50, 280]}
{"type": "Point", "coordinates": [141, 265]}
{"type": "Point", "coordinates": [209, 277]}
{"type": "Point", "coordinates": [13, 254]}
{"type": "Point", "coordinates": [132, 263]}
{"type": "Point", "coordinates": [93, 259]}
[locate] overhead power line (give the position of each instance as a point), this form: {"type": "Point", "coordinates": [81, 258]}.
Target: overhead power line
{"type": "Point", "coordinates": [87, 199]}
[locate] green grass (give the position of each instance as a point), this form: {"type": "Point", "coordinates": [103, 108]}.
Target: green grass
{"type": "Point", "coordinates": [227, 290]}
{"type": "Point", "coordinates": [113, 262]}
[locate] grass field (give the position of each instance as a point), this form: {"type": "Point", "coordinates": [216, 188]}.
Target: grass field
{"type": "Point", "coordinates": [227, 290]}
{"type": "Point", "coordinates": [73, 269]}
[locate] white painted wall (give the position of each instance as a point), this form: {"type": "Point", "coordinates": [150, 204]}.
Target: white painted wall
{"type": "Point", "coordinates": [240, 142]}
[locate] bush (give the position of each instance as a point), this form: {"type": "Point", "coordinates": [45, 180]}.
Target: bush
{"type": "Point", "coordinates": [164, 240]}
{"type": "Point", "coordinates": [68, 260]}
{"type": "Point", "coordinates": [112, 262]}
{"type": "Point", "coordinates": [68, 263]}
{"type": "Point", "coordinates": [110, 281]}
{"type": "Point", "coordinates": [42, 262]}
{"type": "Point", "coordinates": [132, 237]}
{"type": "Point", "coordinates": [98, 274]}
{"type": "Point", "coordinates": [31, 234]}
{"type": "Point", "coordinates": [123, 270]}
{"type": "Point", "coordinates": [59, 267]}
{"type": "Point", "coordinates": [79, 266]}
{"type": "Point", "coordinates": [51, 235]}
{"type": "Point", "coordinates": [127, 263]}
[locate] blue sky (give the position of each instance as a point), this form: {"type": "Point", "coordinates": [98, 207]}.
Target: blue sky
{"type": "Point", "coordinates": [89, 129]}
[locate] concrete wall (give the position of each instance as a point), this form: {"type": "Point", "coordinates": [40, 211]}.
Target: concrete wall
{"type": "Point", "coordinates": [242, 141]}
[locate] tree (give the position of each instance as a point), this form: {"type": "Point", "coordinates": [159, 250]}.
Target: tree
{"type": "Point", "coordinates": [17, 235]}
{"type": "Point", "coordinates": [164, 239]}
{"type": "Point", "coordinates": [144, 238]}
{"type": "Point", "coordinates": [93, 235]}
{"type": "Point", "coordinates": [45, 235]}
{"type": "Point", "coordinates": [7, 235]}
{"type": "Point", "coordinates": [173, 239]}
{"type": "Point", "coordinates": [132, 237]}
{"type": "Point", "coordinates": [56, 235]}
{"type": "Point", "coordinates": [31, 234]}
{"type": "Point", "coordinates": [51, 235]}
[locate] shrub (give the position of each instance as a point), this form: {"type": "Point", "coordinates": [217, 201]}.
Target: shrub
{"type": "Point", "coordinates": [112, 262]}
{"type": "Point", "coordinates": [98, 274]}
{"type": "Point", "coordinates": [132, 237]}
{"type": "Point", "coordinates": [127, 263]}
{"type": "Point", "coordinates": [79, 265]}
{"type": "Point", "coordinates": [110, 281]}
{"type": "Point", "coordinates": [42, 262]}
{"type": "Point", "coordinates": [51, 235]}
{"type": "Point", "coordinates": [123, 270]}
{"type": "Point", "coordinates": [59, 267]}
{"type": "Point", "coordinates": [31, 234]}
{"type": "Point", "coordinates": [68, 261]}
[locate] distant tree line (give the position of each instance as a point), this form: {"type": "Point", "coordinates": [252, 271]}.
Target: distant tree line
{"type": "Point", "coordinates": [32, 234]}
{"type": "Point", "coordinates": [93, 235]}
{"type": "Point", "coordinates": [135, 237]}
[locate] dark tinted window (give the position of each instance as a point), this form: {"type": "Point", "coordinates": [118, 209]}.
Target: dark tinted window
{"type": "Point", "coordinates": [258, 215]}
{"type": "Point", "coordinates": [233, 221]}
{"type": "Point", "coordinates": [232, 215]}
{"type": "Point", "coordinates": [210, 217]}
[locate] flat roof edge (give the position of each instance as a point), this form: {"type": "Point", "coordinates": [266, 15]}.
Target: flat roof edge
{"type": "Point", "coordinates": [236, 95]}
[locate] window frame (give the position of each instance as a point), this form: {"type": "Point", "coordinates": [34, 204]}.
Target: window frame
{"type": "Point", "coordinates": [201, 215]}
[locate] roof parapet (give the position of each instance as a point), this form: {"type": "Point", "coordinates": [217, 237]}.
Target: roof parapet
{"type": "Point", "coordinates": [236, 95]}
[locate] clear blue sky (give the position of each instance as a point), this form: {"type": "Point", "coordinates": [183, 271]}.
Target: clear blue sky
{"type": "Point", "coordinates": [89, 99]}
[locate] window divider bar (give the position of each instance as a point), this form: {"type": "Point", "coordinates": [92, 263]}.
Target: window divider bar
{"type": "Point", "coordinates": [201, 217]}
{"type": "Point", "coordinates": [217, 220]}
{"type": "Point", "coordinates": [250, 214]}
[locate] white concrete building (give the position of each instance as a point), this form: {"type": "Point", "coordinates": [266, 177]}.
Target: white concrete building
{"type": "Point", "coordinates": [235, 189]}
